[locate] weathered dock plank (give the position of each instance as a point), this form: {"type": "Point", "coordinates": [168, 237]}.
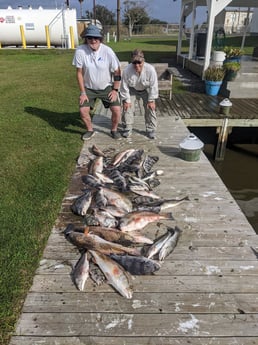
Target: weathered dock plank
{"type": "Point", "coordinates": [204, 293]}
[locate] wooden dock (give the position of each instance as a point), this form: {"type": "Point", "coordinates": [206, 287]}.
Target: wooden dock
{"type": "Point", "coordinates": [206, 291]}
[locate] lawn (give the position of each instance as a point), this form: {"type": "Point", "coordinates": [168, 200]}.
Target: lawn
{"type": "Point", "coordinates": [40, 142]}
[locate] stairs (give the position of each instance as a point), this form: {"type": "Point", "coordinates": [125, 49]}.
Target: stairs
{"type": "Point", "coordinates": [246, 83]}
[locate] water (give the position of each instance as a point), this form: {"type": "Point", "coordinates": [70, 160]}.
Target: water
{"type": "Point", "coordinates": [239, 172]}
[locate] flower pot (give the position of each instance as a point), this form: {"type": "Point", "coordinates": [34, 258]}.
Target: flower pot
{"type": "Point", "coordinates": [233, 59]}
{"type": "Point", "coordinates": [212, 87]}
{"type": "Point", "coordinates": [230, 75]}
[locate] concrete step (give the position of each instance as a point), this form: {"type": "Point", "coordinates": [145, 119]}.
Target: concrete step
{"type": "Point", "coordinates": [240, 89]}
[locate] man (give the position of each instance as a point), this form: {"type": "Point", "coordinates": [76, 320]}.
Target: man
{"type": "Point", "coordinates": [139, 80]}
{"type": "Point", "coordinates": [98, 74]}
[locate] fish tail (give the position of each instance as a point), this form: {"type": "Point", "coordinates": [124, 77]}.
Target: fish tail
{"type": "Point", "coordinates": [168, 215]}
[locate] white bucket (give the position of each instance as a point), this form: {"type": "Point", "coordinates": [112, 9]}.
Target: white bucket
{"type": "Point", "coordinates": [218, 57]}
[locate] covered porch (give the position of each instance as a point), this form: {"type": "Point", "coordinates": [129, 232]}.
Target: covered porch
{"type": "Point", "coordinates": [188, 8]}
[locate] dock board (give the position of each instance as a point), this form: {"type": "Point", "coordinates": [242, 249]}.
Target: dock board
{"type": "Point", "coordinates": [206, 290]}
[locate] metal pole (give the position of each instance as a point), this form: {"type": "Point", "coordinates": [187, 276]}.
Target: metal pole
{"type": "Point", "coordinates": [118, 20]}
{"type": "Point", "coordinates": [94, 12]}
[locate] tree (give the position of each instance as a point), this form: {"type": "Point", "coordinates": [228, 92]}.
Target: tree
{"type": "Point", "coordinates": [135, 14]}
{"type": "Point", "coordinates": [105, 16]}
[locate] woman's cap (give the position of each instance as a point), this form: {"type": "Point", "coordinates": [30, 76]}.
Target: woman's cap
{"type": "Point", "coordinates": [92, 31]}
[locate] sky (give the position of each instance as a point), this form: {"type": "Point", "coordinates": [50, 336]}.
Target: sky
{"type": "Point", "coordinates": [167, 10]}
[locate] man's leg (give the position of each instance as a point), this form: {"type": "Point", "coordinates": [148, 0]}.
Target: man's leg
{"type": "Point", "coordinates": [85, 116]}
{"type": "Point", "coordinates": [115, 117]}
{"type": "Point", "coordinates": [128, 116]}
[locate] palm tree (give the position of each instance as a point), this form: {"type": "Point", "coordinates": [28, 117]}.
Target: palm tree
{"type": "Point", "coordinates": [81, 1]}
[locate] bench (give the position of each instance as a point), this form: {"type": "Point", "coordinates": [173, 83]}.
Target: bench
{"type": "Point", "coordinates": [165, 77]}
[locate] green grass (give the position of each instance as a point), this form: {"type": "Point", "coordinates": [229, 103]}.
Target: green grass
{"type": "Point", "coordinates": [40, 133]}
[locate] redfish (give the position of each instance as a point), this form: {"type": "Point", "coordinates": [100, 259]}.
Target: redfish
{"type": "Point", "coordinates": [139, 219]}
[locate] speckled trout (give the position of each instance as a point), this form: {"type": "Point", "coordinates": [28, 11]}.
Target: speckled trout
{"type": "Point", "coordinates": [115, 274]}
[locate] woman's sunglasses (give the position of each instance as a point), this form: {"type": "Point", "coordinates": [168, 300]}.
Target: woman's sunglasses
{"type": "Point", "coordinates": [137, 62]}
{"type": "Point", "coordinates": [93, 38]}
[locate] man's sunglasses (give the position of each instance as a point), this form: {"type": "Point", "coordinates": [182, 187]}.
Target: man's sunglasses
{"type": "Point", "coordinates": [137, 63]}
{"type": "Point", "coordinates": [93, 38]}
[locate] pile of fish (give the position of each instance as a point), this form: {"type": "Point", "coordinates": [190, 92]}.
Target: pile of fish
{"type": "Point", "coordinates": [118, 202]}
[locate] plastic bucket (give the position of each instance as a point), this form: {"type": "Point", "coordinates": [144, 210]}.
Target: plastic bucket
{"type": "Point", "coordinates": [225, 107]}
{"type": "Point", "coordinates": [190, 155]}
{"type": "Point", "coordinates": [191, 148]}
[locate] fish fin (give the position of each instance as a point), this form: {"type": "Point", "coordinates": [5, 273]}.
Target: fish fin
{"type": "Point", "coordinates": [168, 215]}
{"type": "Point", "coordinates": [86, 230]}
{"type": "Point", "coordinates": [255, 252]}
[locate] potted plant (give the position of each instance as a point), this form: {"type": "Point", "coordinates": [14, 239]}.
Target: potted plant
{"type": "Point", "coordinates": [233, 54]}
{"type": "Point", "coordinates": [213, 77]}
{"type": "Point", "coordinates": [231, 68]}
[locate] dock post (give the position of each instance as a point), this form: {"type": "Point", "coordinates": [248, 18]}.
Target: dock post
{"type": "Point", "coordinates": [220, 149]}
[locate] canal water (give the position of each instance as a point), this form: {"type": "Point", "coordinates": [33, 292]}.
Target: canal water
{"type": "Point", "coordinates": [238, 170]}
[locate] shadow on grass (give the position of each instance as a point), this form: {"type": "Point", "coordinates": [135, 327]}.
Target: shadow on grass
{"type": "Point", "coordinates": [60, 121]}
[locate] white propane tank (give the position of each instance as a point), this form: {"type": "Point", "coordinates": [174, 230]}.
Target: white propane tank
{"type": "Point", "coordinates": [34, 22]}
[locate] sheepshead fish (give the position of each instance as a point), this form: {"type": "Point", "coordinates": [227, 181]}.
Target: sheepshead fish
{"type": "Point", "coordinates": [169, 244]}
{"type": "Point", "coordinates": [92, 181]}
{"type": "Point", "coordinates": [117, 199]}
{"type": "Point", "coordinates": [136, 265]}
{"type": "Point", "coordinates": [80, 272]}
{"type": "Point", "coordinates": [122, 156]}
{"type": "Point", "coordinates": [82, 203]}
{"type": "Point", "coordinates": [119, 180]}
{"type": "Point", "coordinates": [94, 242]}
{"type": "Point", "coordinates": [115, 274]}
{"type": "Point", "coordinates": [157, 245]}
{"type": "Point", "coordinates": [105, 218]}
{"type": "Point", "coordinates": [96, 274]}
{"type": "Point", "coordinates": [139, 219]}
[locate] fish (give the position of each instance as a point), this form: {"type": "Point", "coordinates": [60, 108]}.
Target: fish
{"type": "Point", "coordinates": [90, 220]}
{"type": "Point", "coordinates": [139, 219]}
{"type": "Point", "coordinates": [96, 151]}
{"type": "Point", "coordinates": [119, 180]}
{"type": "Point", "coordinates": [160, 205]}
{"type": "Point", "coordinates": [96, 274]}
{"type": "Point", "coordinates": [157, 245]}
{"type": "Point", "coordinates": [103, 178]}
{"type": "Point", "coordinates": [96, 166]}
{"type": "Point", "coordinates": [170, 244]}
{"type": "Point", "coordinates": [255, 252]}
{"type": "Point", "coordinates": [113, 235]}
{"type": "Point", "coordinates": [81, 205]}
{"type": "Point", "coordinates": [80, 272]}
{"type": "Point", "coordinates": [117, 199]}
{"type": "Point", "coordinates": [114, 211]}
{"type": "Point", "coordinates": [105, 218]}
{"type": "Point", "coordinates": [114, 273]}
{"type": "Point", "coordinates": [94, 242]}
{"type": "Point", "coordinates": [92, 181]}
{"type": "Point", "coordinates": [122, 156]}
{"type": "Point", "coordinates": [143, 192]}
{"type": "Point", "coordinates": [100, 199]}
{"type": "Point", "coordinates": [136, 265]}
